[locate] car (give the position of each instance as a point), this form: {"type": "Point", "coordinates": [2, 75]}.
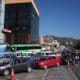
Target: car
{"type": "Point", "coordinates": [18, 64]}
{"type": "Point", "coordinates": [9, 54]}
{"type": "Point", "coordinates": [50, 53]}
{"type": "Point", "coordinates": [45, 53]}
{"type": "Point", "coordinates": [47, 61]}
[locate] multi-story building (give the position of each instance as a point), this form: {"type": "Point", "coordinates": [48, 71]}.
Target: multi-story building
{"type": "Point", "coordinates": [21, 21]}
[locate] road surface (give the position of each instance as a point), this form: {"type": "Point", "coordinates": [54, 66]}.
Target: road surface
{"type": "Point", "coordinates": [54, 73]}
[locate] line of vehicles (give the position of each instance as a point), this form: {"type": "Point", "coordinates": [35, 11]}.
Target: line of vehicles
{"type": "Point", "coordinates": [27, 61]}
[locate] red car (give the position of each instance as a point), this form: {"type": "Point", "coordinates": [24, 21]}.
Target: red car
{"type": "Point", "coordinates": [47, 61]}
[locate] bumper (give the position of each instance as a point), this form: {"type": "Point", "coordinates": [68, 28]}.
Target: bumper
{"type": "Point", "coordinates": [39, 66]}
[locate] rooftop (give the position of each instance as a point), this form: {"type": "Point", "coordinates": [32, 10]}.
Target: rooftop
{"type": "Point", "coordinates": [22, 1]}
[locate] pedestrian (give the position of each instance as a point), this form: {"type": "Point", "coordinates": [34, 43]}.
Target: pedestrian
{"type": "Point", "coordinates": [76, 59]}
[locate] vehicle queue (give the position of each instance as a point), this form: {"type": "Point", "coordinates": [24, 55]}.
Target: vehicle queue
{"type": "Point", "coordinates": [21, 62]}
{"type": "Point", "coordinates": [42, 60]}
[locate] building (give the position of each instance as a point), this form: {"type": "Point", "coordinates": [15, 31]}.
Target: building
{"type": "Point", "coordinates": [21, 22]}
{"type": "Point", "coordinates": [55, 43]}
{"type": "Point", "coordinates": [2, 11]}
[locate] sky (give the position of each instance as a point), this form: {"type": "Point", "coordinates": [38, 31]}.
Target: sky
{"type": "Point", "coordinates": [59, 17]}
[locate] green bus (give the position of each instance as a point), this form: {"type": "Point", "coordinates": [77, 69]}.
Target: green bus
{"type": "Point", "coordinates": [24, 48]}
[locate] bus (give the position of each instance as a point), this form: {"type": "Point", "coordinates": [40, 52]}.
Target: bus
{"type": "Point", "coordinates": [24, 48]}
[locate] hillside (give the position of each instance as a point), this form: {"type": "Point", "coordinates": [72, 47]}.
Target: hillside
{"type": "Point", "coordinates": [62, 40]}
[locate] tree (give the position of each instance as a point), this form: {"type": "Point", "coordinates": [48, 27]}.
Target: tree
{"type": "Point", "coordinates": [77, 46]}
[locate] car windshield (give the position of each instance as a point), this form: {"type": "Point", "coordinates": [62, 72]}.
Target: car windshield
{"type": "Point", "coordinates": [43, 59]}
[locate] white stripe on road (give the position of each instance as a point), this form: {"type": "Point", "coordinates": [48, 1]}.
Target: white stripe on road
{"type": "Point", "coordinates": [44, 75]}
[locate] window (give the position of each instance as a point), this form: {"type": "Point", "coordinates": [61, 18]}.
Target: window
{"type": "Point", "coordinates": [54, 57]}
{"type": "Point", "coordinates": [42, 59]}
{"type": "Point", "coordinates": [25, 59]}
{"type": "Point", "coordinates": [17, 61]}
{"type": "Point", "coordinates": [50, 58]}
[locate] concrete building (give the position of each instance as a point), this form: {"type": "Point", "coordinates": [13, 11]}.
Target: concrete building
{"type": "Point", "coordinates": [21, 22]}
{"type": "Point", "coordinates": [2, 11]}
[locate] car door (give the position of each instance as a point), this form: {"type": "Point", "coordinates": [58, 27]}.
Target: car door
{"type": "Point", "coordinates": [17, 66]}
{"type": "Point", "coordinates": [49, 61]}
{"type": "Point", "coordinates": [24, 64]}
{"type": "Point", "coordinates": [54, 60]}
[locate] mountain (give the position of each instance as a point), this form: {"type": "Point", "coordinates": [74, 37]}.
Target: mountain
{"type": "Point", "coordinates": [62, 40]}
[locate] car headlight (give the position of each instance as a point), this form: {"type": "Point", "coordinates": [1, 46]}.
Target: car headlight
{"type": "Point", "coordinates": [2, 67]}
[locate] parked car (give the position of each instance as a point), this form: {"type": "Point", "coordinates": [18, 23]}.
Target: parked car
{"type": "Point", "coordinates": [9, 54]}
{"type": "Point", "coordinates": [50, 53]}
{"type": "Point", "coordinates": [47, 61]}
{"type": "Point", "coordinates": [45, 53]}
{"type": "Point", "coordinates": [18, 64]}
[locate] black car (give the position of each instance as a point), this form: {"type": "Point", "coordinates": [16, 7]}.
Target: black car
{"type": "Point", "coordinates": [18, 64]}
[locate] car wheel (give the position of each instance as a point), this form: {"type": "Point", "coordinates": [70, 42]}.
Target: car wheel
{"type": "Point", "coordinates": [45, 67]}
{"type": "Point", "coordinates": [57, 64]}
{"type": "Point", "coordinates": [29, 69]}
{"type": "Point", "coordinates": [6, 73]}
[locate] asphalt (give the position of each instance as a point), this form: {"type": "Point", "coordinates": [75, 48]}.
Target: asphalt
{"type": "Point", "coordinates": [60, 73]}
{"type": "Point", "coordinates": [54, 73]}
{"type": "Point", "coordinates": [76, 70]}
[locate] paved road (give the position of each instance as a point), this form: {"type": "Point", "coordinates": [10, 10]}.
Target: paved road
{"type": "Point", "coordinates": [76, 70]}
{"type": "Point", "coordinates": [55, 73]}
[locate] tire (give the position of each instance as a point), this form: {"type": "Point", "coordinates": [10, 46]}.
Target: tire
{"type": "Point", "coordinates": [45, 67]}
{"type": "Point", "coordinates": [6, 73]}
{"type": "Point", "coordinates": [29, 69]}
{"type": "Point", "coordinates": [58, 64]}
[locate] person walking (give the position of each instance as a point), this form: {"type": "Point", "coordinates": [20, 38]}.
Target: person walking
{"type": "Point", "coordinates": [76, 59]}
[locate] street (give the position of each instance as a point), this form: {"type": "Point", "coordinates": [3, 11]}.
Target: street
{"type": "Point", "coordinates": [54, 73]}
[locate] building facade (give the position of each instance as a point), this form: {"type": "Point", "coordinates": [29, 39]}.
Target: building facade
{"type": "Point", "coordinates": [22, 20]}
